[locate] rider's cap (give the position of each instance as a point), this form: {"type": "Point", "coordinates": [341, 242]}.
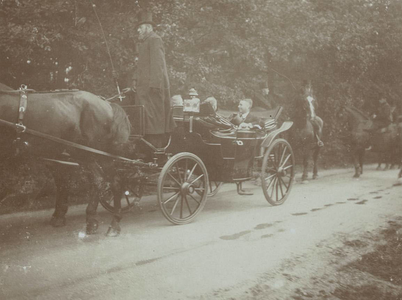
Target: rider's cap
{"type": "Point", "coordinates": [192, 92]}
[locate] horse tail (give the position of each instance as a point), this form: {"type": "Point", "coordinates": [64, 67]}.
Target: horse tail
{"type": "Point", "coordinates": [121, 127]}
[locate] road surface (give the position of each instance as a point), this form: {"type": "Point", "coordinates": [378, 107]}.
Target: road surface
{"type": "Point", "coordinates": [235, 247]}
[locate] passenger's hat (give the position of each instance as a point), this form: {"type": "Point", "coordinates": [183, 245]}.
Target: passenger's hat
{"type": "Point", "coordinates": [192, 92]}
{"type": "Point", "coordinates": [144, 17]}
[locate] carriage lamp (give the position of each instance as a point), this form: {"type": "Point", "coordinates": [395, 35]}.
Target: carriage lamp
{"type": "Point", "coordinates": [126, 193]}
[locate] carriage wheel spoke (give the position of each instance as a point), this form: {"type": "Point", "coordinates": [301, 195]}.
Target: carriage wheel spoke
{"type": "Point", "coordinates": [171, 176]}
{"type": "Point", "coordinates": [273, 187]}
{"type": "Point", "coordinates": [286, 160]}
{"type": "Point", "coordinates": [202, 175]}
{"type": "Point", "coordinates": [200, 189]}
{"type": "Point", "coordinates": [270, 183]}
{"type": "Point", "coordinates": [175, 205]}
{"type": "Point", "coordinates": [269, 177]}
{"type": "Point", "coordinates": [192, 171]}
{"type": "Point", "coordinates": [181, 207]}
{"type": "Point", "coordinates": [284, 183]}
{"type": "Point", "coordinates": [276, 188]}
{"type": "Point", "coordinates": [171, 188]}
{"type": "Point", "coordinates": [280, 185]}
{"type": "Point", "coordinates": [178, 173]}
{"type": "Point", "coordinates": [188, 206]}
{"type": "Point", "coordinates": [285, 168]}
{"type": "Point", "coordinates": [185, 171]}
{"type": "Point", "coordinates": [171, 197]}
{"type": "Point", "coordinates": [277, 155]}
{"type": "Point", "coordinates": [194, 199]}
{"type": "Point", "coordinates": [283, 155]}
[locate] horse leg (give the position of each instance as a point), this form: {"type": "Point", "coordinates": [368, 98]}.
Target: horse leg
{"type": "Point", "coordinates": [114, 228]}
{"type": "Point", "coordinates": [95, 180]}
{"type": "Point", "coordinates": [315, 160]}
{"type": "Point", "coordinates": [386, 159]}
{"type": "Point", "coordinates": [361, 159]}
{"type": "Point", "coordinates": [109, 174]}
{"type": "Point", "coordinates": [61, 176]}
{"type": "Point", "coordinates": [356, 158]}
{"type": "Point", "coordinates": [305, 153]}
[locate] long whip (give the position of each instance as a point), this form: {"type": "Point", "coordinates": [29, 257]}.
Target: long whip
{"type": "Point", "coordinates": [108, 50]}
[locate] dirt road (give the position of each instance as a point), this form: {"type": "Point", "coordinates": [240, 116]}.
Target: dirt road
{"type": "Point", "coordinates": [239, 247]}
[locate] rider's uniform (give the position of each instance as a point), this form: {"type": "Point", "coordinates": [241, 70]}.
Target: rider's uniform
{"type": "Point", "coordinates": [383, 118]}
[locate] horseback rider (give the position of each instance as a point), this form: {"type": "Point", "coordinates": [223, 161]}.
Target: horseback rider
{"type": "Point", "coordinates": [383, 118]}
{"type": "Point", "coordinates": [307, 94]}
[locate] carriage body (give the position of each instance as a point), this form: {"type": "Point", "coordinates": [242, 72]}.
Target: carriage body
{"type": "Point", "coordinates": [214, 153]}
{"type": "Point", "coordinates": [228, 157]}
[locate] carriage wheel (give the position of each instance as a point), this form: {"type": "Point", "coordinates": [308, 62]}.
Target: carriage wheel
{"type": "Point", "coordinates": [130, 196]}
{"type": "Point", "coordinates": [182, 188]}
{"type": "Point", "coordinates": [277, 172]}
{"type": "Point", "coordinates": [214, 187]}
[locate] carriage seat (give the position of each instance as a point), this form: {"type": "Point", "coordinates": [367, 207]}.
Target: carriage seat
{"type": "Point", "coordinates": [271, 121]}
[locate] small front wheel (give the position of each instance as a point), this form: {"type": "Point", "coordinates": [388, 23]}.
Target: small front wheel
{"type": "Point", "coordinates": [277, 172]}
{"type": "Point", "coordinates": [182, 188]}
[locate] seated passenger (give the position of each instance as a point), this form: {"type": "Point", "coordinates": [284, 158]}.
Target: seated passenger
{"type": "Point", "coordinates": [244, 119]}
{"type": "Point", "coordinates": [176, 100]}
{"type": "Point", "coordinates": [212, 101]}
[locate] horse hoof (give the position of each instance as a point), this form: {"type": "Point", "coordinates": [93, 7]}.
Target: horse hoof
{"type": "Point", "coordinates": [378, 168]}
{"type": "Point", "coordinates": [315, 176]}
{"type": "Point", "coordinates": [113, 232]}
{"type": "Point", "coordinates": [92, 227]}
{"type": "Point", "coordinates": [356, 176]}
{"type": "Point", "coordinates": [58, 222]}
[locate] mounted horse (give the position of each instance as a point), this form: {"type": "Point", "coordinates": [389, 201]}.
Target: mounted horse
{"type": "Point", "coordinates": [364, 134]}
{"type": "Point", "coordinates": [34, 123]}
{"type": "Point", "coordinates": [358, 136]}
{"type": "Point", "coordinates": [306, 132]}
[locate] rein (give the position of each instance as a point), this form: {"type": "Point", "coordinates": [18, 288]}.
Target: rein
{"type": "Point", "coordinates": [123, 92]}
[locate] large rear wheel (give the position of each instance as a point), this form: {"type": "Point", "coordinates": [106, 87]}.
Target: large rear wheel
{"type": "Point", "coordinates": [182, 188]}
{"type": "Point", "coordinates": [277, 172]}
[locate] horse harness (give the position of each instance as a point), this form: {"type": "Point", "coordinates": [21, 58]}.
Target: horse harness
{"type": "Point", "coordinates": [22, 108]}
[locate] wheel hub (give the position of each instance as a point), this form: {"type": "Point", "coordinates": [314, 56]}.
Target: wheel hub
{"type": "Point", "coordinates": [281, 172]}
{"type": "Point", "coordinates": [187, 188]}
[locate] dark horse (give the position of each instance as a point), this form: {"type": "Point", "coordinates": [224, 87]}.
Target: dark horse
{"type": "Point", "coordinates": [76, 116]}
{"type": "Point", "coordinates": [362, 136]}
{"type": "Point", "coordinates": [307, 131]}
{"type": "Point", "coordinates": [359, 137]}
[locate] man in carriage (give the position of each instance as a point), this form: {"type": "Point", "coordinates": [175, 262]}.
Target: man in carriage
{"type": "Point", "coordinates": [244, 118]}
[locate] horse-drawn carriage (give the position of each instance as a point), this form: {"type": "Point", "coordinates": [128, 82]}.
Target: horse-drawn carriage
{"type": "Point", "coordinates": [203, 152]}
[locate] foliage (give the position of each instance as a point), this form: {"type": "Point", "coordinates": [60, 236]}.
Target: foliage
{"type": "Point", "coordinates": [350, 50]}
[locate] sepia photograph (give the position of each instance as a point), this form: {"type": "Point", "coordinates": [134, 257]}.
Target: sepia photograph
{"type": "Point", "coordinates": [200, 149]}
